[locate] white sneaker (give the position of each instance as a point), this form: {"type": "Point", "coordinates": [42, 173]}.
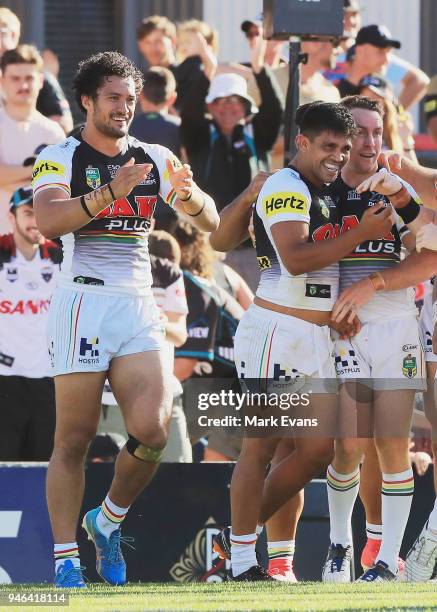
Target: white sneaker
{"type": "Point", "coordinates": [422, 557]}
{"type": "Point", "coordinates": [337, 566]}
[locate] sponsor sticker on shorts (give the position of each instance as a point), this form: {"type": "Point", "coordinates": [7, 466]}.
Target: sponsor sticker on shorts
{"type": "Point", "coordinates": [45, 167]}
{"type": "Point", "coordinates": [286, 202]}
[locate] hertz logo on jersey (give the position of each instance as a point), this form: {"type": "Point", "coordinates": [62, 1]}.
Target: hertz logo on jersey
{"type": "Point", "coordinates": [47, 167]}
{"type": "Point", "coordinates": [285, 202]}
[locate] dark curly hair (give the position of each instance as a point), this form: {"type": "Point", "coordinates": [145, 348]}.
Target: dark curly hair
{"type": "Point", "coordinates": [198, 256]}
{"type": "Point", "coordinates": [317, 117]}
{"type": "Point", "coordinates": [91, 72]}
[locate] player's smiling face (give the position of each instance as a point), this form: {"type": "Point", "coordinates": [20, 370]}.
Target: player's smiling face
{"type": "Point", "coordinates": [113, 108]}
{"type": "Point", "coordinates": [367, 143]}
{"type": "Point", "coordinates": [324, 155]}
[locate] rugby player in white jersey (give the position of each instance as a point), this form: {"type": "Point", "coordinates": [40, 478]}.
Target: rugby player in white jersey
{"type": "Point", "coordinates": [284, 335]}
{"type": "Point", "coordinates": [98, 190]}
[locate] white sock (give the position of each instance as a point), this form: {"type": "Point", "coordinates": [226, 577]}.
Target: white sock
{"type": "Point", "coordinates": [373, 531]}
{"type": "Point", "coordinates": [281, 549]}
{"type": "Point", "coordinates": [432, 521]}
{"type": "Point", "coordinates": [259, 529]}
{"type": "Point", "coordinates": [243, 552]}
{"type": "Point", "coordinates": [342, 493]}
{"type": "Point", "coordinates": [397, 495]}
{"type": "Point", "coordinates": [69, 551]}
{"type": "Point", "coordinates": [110, 517]}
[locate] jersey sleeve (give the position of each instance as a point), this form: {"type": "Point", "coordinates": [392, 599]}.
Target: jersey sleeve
{"type": "Point", "coordinates": [160, 155]}
{"type": "Point", "coordinates": [175, 299]}
{"type": "Point", "coordinates": [52, 169]}
{"type": "Point", "coordinates": [284, 197]}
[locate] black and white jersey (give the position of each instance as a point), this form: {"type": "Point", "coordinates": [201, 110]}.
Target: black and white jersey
{"type": "Point", "coordinates": [288, 196]}
{"type": "Point", "coordinates": [111, 249]}
{"type": "Point", "coordinates": [372, 255]}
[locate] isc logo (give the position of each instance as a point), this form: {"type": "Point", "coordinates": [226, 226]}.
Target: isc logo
{"type": "Point", "coordinates": [285, 202]}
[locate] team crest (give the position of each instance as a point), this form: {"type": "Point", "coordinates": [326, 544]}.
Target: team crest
{"type": "Point", "coordinates": [324, 209]}
{"type": "Point", "coordinates": [93, 177]}
{"type": "Point", "coordinates": [47, 273]}
{"type": "Point", "coordinates": [409, 366]}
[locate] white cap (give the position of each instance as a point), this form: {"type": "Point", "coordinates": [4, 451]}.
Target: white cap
{"type": "Point", "coordinates": [230, 84]}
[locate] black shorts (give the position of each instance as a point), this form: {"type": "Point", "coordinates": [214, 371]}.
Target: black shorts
{"type": "Point", "coordinates": [27, 418]}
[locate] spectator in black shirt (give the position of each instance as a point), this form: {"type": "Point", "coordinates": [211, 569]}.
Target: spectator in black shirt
{"type": "Point", "coordinates": [369, 55]}
{"type": "Point", "coordinates": [155, 125]}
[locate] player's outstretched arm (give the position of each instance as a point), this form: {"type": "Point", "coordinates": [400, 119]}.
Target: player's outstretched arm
{"type": "Point", "coordinates": [192, 201]}
{"type": "Point", "coordinates": [235, 217]}
{"type": "Point", "coordinates": [300, 256]}
{"type": "Point", "coordinates": [57, 215]}
{"type": "Point", "coordinates": [424, 180]}
{"type": "Point", "coordinates": [412, 214]}
{"type": "Point", "coordinates": [414, 269]}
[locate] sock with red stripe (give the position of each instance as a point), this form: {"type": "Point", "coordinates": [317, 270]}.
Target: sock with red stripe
{"type": "Point", "coordinates": [397, 495]}
{"type": "Point", "coordinates": [110, 517]}
{"type": "Point", "coordinates": [342, 493]}
{"type": "Point", "coordinates": [70, 551]}
{"type": "Point", "coordinates": [243, 554]}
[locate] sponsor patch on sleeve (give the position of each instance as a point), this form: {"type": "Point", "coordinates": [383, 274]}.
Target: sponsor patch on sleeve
{"type": "Point", "coordinates": [45, 167]}
{"type": "Point", "coordinates": [286, 202]}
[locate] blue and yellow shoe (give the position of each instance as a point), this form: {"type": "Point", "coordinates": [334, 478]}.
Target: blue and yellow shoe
{"type": "Point", "coordinates": [68, 576]}
{"type": "Point", "coordinates": [110, 564]}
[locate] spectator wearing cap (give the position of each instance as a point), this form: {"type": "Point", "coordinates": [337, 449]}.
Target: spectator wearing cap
{"type": "Point", "coordinates": [370, 55]}
{"type": "Point", "coordinates": [22, 127]}
{"type": "Point", "coordinates": [227, 147]}
{"type": "Point", "coordinates": [29, 267]}
{"type": "Point", "coordinates": [51, 100]}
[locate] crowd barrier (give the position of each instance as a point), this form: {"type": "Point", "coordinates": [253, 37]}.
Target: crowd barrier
{"type": "Point", "coordinates": [172, 523]}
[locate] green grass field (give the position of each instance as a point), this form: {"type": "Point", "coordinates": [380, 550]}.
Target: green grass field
{"type": "Point", "coordinates": [227, 596]}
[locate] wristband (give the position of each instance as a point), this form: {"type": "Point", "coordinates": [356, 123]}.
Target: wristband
{"type": "Point", "coordinates": [198, 212]}
{"type": "Point", "coordinates": [186, 199]}
{"type": "Point", "coordinates": [401, 198]}
{"type": "Point", "coordinates": [377, 281]}
{"type": "Point", "coordinates": [85, 207]}
{"type": "Point", "coordinates": [410, 212]}
{"type": "Point", "coordinates": [111, 191]}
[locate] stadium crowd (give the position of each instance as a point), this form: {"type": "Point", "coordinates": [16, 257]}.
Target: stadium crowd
{"type": "Point", "coordinates": [226, 121]}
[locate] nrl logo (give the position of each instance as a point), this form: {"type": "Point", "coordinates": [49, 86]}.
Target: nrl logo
{"type": "Point", "coordinates": [198, 563]}
{"type": "Point", "coordinates": [93, 177]}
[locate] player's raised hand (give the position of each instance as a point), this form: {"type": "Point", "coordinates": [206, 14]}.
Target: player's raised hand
{"type": "Point", "coordinates": [377, 221]}
{"type": "Point", "coordinates": [129, 176]}
{"type": "Point", "coordinates": [390, 160]}
{"type": "Point", "coordinates": [254, 187]}
{"type": "Point", "coordinates": [180, 177]}
{"type": "Point", "coordinates": [382, 182]}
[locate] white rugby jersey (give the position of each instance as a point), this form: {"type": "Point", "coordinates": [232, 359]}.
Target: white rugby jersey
{"type": "Point", "coordinates": [110, 254]}
{"type": "Point", "coordinates": [288, 196]}
{"type": "Point", "coordinates": [26, 288]}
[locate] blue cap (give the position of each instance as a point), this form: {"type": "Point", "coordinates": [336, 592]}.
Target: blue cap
{"type": "Point", "coordinates": [20, 197]}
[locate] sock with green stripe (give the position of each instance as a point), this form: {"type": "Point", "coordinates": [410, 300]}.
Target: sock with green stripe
{"type": "Point", "coordinates": [110, 516]}
{"type": "Point", "coordinates": [70, 551]}
{"type": "Point", "coordinates": [342, 493]}
{"type": "Point", "coordinates": [281, 549]}
{"type": "Point", "coordinates": [397, 495]}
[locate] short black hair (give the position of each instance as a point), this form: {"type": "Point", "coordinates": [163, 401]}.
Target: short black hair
{"type": "Point", "coordinates": [316, 117]}
{"type": "Point", "coordinates": [159, 85]}
{"type": "Point", "coordinates": [362, 102]}
{"type": "Point", "coordinates": [91, 72]}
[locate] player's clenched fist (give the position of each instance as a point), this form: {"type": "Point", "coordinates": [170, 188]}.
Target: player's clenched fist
{"type": "Point", "coordinates": [382, 182]}
{"type": "Point", "coordinates": [377, 221]}
{"type": "Point", "coordinates": [180, 177]}
{"type": "Point", "coordinates": [129, 176]}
